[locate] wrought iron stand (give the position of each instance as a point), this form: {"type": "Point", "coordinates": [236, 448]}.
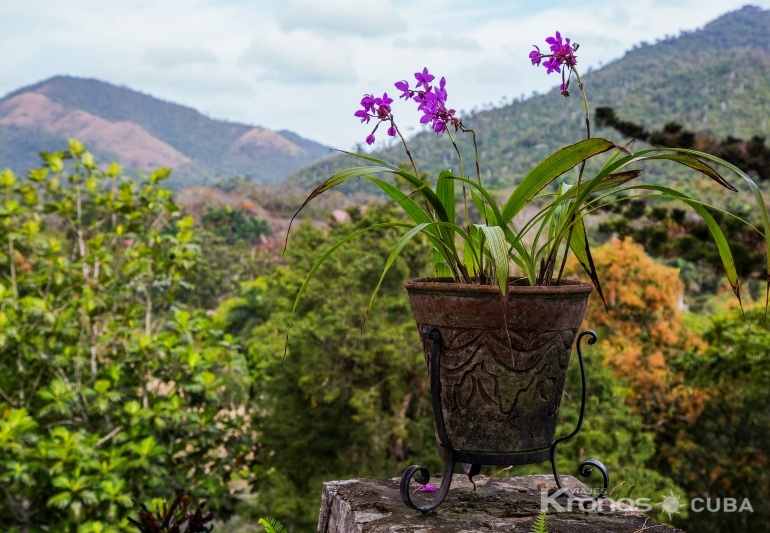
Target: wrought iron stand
{"type": "Point", "coordinates": [473, 461]}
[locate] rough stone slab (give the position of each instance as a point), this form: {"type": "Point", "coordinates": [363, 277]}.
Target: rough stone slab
{"type": "Point", "coordinates": [497, 504]}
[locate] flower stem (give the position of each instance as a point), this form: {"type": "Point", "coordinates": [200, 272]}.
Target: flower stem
{"type": "Point", "coordinates": [580, 172]}
{"type": "Point", "coordinates": [406, 147]}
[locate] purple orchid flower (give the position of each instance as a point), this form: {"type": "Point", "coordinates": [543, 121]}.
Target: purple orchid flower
{"type": "Point", "coordinates": [431, 102]}
{"type": "Point", "coordinates": [403, 86]}
{"type": "Point", "coordinates": [535, 55]}
{"type": "Point", "coordinates": [424, 78]}
{"type": "Point", "coordinates": [562, 53]}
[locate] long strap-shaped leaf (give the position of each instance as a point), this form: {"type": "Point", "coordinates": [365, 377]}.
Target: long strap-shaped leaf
{"type": "Point", "coordinates": [444, 236]}
{"type": "Point", "coordinates": [497, 245]}
{"type": "Point", "coordinates": [695, 164]}
{"type": "Point", "coordinates": [406, 203]}
{"type": "Point", "coordinates": [422, 188]}
{"type": "Point", "coordinates": [445, 190]}
{"type": "Point", "coordinates": [759, 199]}
{"type": "Point", "coordinates": [762, 209]}
{"type": "Point", "coordinates": [549, 169]}
{"type": "Point", "coordinates": [578, 243]}
{"type": "Point", "coordinates": [396, 250]}
{"type": "Point", "coordinates": [717, 234]}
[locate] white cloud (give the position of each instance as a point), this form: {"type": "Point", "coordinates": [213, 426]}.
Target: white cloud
{"type": "Point", "coordinates": [373, 18]}
{"type": "Point", "coordinates": [178, 56]}
{"type": "Point", "coordinates": [299, 57]}
{"type": "Point", "coordinates": [438, 41]}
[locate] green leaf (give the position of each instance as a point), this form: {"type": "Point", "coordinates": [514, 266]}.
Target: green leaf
{"type": "Point", "coordinates": [549, 169]}
{"type": "Point", "coordinates": [722, 245]}
{"type": "Point", "coordinates": [497, 246]}
{"type": "Point", "coordinates": [471, 254]}
{"type": "Point", "coordinates": [272, 525]}
{"type": "Point", "coordinates": [445, 190]}
{"type": "Point", "coordinates": [394, 252]}
{"type": "Point", "coordinates": [7, 178]}
{"type": "Point", "coordinates": [75, 146]}
{"type": "Point", "coordinates": [695, 164]}
{"type": "Point", "coordinates": [409, 206]}
{"type": "Point", "coordinates": [440, 267]}
{"type": "Point", "coordinates": [539, 525]}
{"type": "Point", "coordinates": [159, 174]}
{"type": "Point", "coordinates": [439, 213]}
{"type": "Point", "coordinates": [114, 169]}
{"type": "Point", "coordinates": [579, 245]}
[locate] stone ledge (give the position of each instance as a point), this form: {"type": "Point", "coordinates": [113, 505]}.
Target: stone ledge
{"type": "Point", "coordinates": [497, 504]}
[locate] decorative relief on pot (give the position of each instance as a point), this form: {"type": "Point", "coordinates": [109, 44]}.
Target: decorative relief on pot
{"type": "Point", "coordinates": [495, 396]}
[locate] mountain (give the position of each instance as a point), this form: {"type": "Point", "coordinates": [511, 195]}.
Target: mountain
{"type": "Point", "coordinates": [143, 132]}
{"type": "Point", "coordinates": [715, 81]}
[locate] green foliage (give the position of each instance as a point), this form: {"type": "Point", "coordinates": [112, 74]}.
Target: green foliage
{"type": "Point", "coordinates": [534, 228]}
{"type": "Point", "coordinates": [234, 225]}
{"type": "Point", "coordinates": [343, 403]}
{"type": "Point", "coordinates": [612, 432]}
{"type": "Point", "coordinates": [669, 234]}
{"type": "Point", "coordinates": [109, 392]}
{"type": "Point", "coordinates": [539, 525]}
{"type": "Point", "coordinates": [349, 404]}
{"type": "Point", "coordinates": [724, 453]}
{"type": "Point", "coordinates": [272, 525]}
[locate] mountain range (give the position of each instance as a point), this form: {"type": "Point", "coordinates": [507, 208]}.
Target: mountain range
{"type": "Point", "coordinates": [142, 132]}
{"type": "Point", "coordinates": [714, 81]}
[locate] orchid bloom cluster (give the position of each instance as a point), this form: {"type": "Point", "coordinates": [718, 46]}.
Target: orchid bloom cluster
{"type": "Point", "coordinates": [562, 53]}
{"type": "Point", "coordinates": [431, 101]}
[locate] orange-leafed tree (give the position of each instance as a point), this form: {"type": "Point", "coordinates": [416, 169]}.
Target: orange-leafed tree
{"type": "Point", "coordinates": [641, 331]}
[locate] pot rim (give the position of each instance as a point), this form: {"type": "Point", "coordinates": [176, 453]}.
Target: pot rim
{"type": "Point", "coordinates": [448, 285]}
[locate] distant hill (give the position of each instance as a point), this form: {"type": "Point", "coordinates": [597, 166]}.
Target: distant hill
{"type": "Point", "coordinates": [715, 81]}
{"type": "Point", "coordinates": [143, 132]}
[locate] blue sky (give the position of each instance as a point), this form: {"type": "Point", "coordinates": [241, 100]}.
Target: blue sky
{"type": "Point", "coordinates": [303, 65]}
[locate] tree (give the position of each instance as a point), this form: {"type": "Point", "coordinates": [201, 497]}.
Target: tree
{"type": "Point", "coordinates": [725, 452]}
{"type": "Point", "coordinates": [234, 225]}
{"type": "Point", "coordinates": [751, 156]}
{"type": "Point", "coordinates": [110, 393]}
{"type": "Point", "coordinates": [342, 403]}
{"type": "Point", "coordinates": [642, 330]}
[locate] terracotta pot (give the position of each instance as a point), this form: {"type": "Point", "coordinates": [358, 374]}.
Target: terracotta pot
{"type": "Point", "coordinates": [502, 369]}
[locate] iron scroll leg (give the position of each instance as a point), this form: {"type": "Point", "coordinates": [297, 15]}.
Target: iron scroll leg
{"type": "Point", "coordinates": [586, 467]}
{"type": "Point", "coordinates": [421, 474]}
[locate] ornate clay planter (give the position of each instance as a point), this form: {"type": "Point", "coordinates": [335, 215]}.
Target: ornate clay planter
{"type": "Point", "coordinates": [497, 372]}
{"type": "Point", "coordinates": [497, 397]}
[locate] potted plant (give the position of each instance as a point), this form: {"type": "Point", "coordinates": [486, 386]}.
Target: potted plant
{"type": "Point", "coordinates": [497, 318]}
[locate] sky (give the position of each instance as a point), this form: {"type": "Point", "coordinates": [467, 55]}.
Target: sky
{"type": "Point", "coordinates": [303, 65]}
